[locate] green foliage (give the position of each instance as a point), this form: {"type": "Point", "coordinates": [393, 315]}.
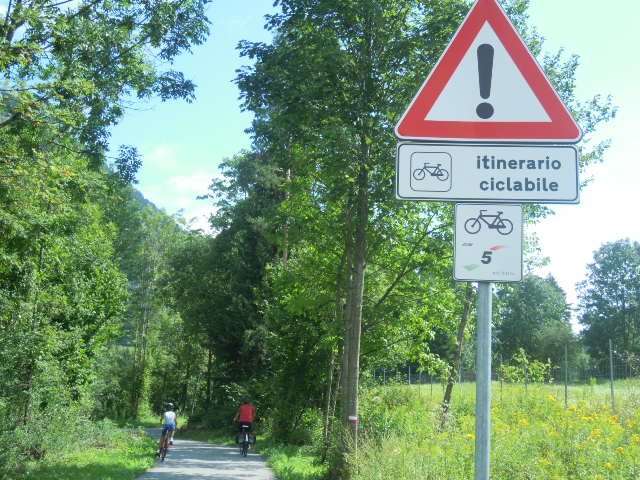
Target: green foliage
{"type": "Point", "coordinates": [610, 299]}
{"type": "Point", "coordinates": [291, 462]}
{"type": "Point", "coordinates": [105, 452]}
{"type": "Point", "coordinates": [534, 315]}
{"type": "Point", "coordinates": [522, 369]}
{"type": "Point", "coordinates": [68, 70]}
{"type": "Point", "coordinates": [309, 234]}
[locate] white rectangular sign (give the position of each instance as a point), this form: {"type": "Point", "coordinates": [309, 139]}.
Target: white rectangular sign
{"type": "Point", "coordinates": [485, 172]}
{"type": "Point", "coordinates": [488, 243]}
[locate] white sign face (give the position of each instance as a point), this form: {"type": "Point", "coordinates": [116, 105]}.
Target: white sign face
{"type": "Point", "coordinates": [483, 172]}
{"type": "Point", "coordinates": [512, 98]}
{"type": "Point", "coordinates": [488, 243]}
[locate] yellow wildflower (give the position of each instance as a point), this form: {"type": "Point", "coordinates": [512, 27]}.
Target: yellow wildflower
{"type": "Point", "coordinates": [596, 431]}
{"type": "Point", "coordinates": [471, 436]}
{"type": "Point", "coordinates": [523, 421]}
{"type": "Point", "coordinates": [608, 465]}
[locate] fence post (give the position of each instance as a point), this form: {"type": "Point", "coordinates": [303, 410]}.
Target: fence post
{"type": "Point", "coordinates": [409, 373]}
{"type": "Point", "coordinates": [613, 404]}
{"type": "Point", "coordinates": [431, 386]}
{"type": "Point", "coordinates": [500, 377]}
{"type": "Point", "coordinates": [566, 376]}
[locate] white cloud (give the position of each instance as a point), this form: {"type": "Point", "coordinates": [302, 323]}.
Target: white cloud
{"type": "Point", "coordinates": [198, 182]}
{"type": "Point", "coordinates": [178, 195]}
{"type": "Point", "coordinates": [165, 158]}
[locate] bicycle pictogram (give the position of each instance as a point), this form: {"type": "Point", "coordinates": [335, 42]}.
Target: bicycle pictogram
{"type": "Point", "coordinates": [432, 170]}
{"type": "Point", "coordinates": [504, 226]}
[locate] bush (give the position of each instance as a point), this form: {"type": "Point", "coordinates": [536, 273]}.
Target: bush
{"type": "Point", "coordinates": [522, 369]}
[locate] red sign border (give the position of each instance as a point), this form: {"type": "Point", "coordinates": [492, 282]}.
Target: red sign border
{"type": "Point", "coordinates": [413, 126]}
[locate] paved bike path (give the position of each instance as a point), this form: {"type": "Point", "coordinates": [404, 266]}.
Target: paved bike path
{"type": "Point", "coordinates": [192, 460]}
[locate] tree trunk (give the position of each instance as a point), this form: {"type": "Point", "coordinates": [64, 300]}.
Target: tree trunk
{"type": "Point", "coordinates": [328, 396]}
{"type": "Point", "coordinates": [287, 196]}
{"type": "Point", "coordinates": [357, 262]}
{"type": "Point", "coordinates": [454, 367]}
{"type": "Point", "coordinates": [209, 376]}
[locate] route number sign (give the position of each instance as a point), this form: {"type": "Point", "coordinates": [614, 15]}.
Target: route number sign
{"type": "Point", "coordinates": [488, 243]}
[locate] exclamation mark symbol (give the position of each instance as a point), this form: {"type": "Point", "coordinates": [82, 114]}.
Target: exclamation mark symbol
{"type": "Point", "coordinates": [485, 71]}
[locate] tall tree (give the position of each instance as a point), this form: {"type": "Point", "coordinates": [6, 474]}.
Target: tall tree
{"type": "Point", "coordinates": [610, 299]}
{"type": "Point", "coordinates": [534, 315]}
{"type": "Point", "coordinates": [73, 65]}
{"type": "Point", "coordinates": [69, 69]}
{"type": "Point", "coordinates": [326, 94]}
{"type": "Point", "coordinates": [336, 70]}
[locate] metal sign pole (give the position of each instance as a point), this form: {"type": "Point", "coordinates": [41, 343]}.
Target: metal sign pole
{"type": "Point", "coordinates": [483, 382]}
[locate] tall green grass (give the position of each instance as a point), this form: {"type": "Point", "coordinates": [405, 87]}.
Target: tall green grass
{"type": "Point", "coordinates": [101, 451]}
{"type": "Point", "coordinates": [534, 437]}
{"type": "Point", "coordinates": [292, 462]}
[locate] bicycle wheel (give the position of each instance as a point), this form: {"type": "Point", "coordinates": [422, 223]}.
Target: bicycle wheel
{"type": "Point", "coordinates": [442, 175]}
{"type": "Point", "coordinates": [472, 225]}
{"type": "Point", "coordinates": [164, 448]}
{"type": "Point", "coordinates": [245, 448]}
{"type": "Point", "coordinates": [419, 174]}
{"type": "Point", "coordinates": [505, 227]}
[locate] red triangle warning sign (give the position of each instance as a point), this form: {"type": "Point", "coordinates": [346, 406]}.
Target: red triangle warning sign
{"type": "Point", "coordinates": [488, 86]}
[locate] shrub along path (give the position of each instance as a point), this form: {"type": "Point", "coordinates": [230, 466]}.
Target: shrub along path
{"type": "Point", "coordinates": [192, 460]}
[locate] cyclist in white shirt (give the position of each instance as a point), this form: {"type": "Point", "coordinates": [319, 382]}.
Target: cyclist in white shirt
{"type": "Point", "coordinates": [170, 423]}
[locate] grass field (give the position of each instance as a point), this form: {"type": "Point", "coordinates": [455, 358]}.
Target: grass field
{"type": "Point", "coordinates": [534, 437]}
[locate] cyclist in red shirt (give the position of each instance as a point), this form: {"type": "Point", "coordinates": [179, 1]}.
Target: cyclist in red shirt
{"type": "Point", "coordinates": [246, 414]}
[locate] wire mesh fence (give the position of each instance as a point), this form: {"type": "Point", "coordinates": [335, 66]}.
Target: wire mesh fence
{"type": "Point", "coordinates": [619, 373]}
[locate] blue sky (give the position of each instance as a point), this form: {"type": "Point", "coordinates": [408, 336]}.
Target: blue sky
{"type": "Point", "coordinates": [605, 35]}
{"type": "Point", "coordinates": [183, 143]}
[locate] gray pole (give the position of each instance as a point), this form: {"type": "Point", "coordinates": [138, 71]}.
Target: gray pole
{"type": "Point", "coordinates": [483, 383]}
{"type": "Point", "coordinates": [613, 403]}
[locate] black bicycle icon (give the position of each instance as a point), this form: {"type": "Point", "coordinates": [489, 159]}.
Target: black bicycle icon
{"type": "Point", "coordinates": [433, 170]}
{"type": "Point", "coordinates": [502, 225]}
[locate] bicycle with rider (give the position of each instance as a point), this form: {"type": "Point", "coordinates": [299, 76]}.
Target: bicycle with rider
{"type": "Point", "coordinates": [169, 422]}
{"type": "Point", "coordinates": [246, 415]}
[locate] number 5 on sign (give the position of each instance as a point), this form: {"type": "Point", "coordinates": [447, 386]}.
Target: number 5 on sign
{"type": "Point", "coordinates": [488, 242]}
